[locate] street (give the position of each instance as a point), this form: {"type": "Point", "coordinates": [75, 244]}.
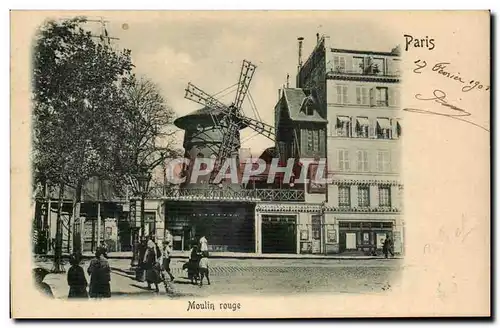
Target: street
{"type": "Point", "coordinates": [254, 276]}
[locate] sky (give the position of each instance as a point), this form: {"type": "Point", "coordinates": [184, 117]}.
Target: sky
{"type": "Point", "coordinates": [207, 49]}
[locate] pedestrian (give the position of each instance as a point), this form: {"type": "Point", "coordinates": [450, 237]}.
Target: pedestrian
{"type": "Point", "coordinates": [104, 246]}
{"type": "Point", "coordinates": [39, 274]}
{"type": "Point", "coordinates": [204, 269]}
{"type": "Point", "coordinates": [139, 275]}
{"type": "Point", "coordinates": [193, 264]}
{"type": "Point", "coordinates": [387, 247]}
{"type": "Point", "coordinates": [76, 279]}
{"type": "Point", "coordinates": [204, 246]}
{"type": "Point", "coordinates": [167, 252]}
{"type": "Point", "coordinates": [153, 274]}
{"type": "Point", "coordinates": [169, 238]}
{"type": "Point", "coordinates": [100, 275]}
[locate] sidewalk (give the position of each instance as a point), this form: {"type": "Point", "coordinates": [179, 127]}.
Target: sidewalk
{"type": "Point", "coordinates": [234, 255]}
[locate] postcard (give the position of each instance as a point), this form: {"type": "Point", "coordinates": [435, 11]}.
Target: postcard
{"type": "Point", "coordinates": [250, 164]}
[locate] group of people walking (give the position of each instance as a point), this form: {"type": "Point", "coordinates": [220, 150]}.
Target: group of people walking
{"type": "Point", "coordinates": [154, 263]}
{"type": "Point", "coordinates": [100, 277]}
{"type": "Point", "coordinates": [198, 266]}
{"type": "Point", "coordinates": [154, 267]}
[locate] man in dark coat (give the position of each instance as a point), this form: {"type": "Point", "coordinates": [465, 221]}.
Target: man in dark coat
{"type": "Point", "coordinates": [387, 248]}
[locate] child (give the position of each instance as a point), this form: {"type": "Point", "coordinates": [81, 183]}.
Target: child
{"type": "Point", "coordinates": [76, 279]}
{"type": "Point", "coordinates": [203, 269]}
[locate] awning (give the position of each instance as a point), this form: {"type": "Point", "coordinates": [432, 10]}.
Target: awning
{"type": "Point", "coordinates": [363, 121]}
{"type": "Point", "coordinates": [343, 119]}
{"type": "Point", "coordinates": [384, 123]}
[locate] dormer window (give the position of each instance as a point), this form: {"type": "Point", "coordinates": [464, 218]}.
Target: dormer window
{"type": "Point", "coordinates": [308, 106]}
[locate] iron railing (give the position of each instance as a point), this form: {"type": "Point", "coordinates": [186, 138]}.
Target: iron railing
{"type": "Point", "coordinates": [394, 73]}
{"type": "Point", "coordinates": [229, 194]}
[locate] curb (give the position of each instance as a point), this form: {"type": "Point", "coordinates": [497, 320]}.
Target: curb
{"type": "Point", "coordinates": [185, 257]}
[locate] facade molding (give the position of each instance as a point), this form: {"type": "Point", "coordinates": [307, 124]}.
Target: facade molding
{"type": "Point", "coordinates": [322, 208]}
{"type": "Point", "coordinates": [371, 182]}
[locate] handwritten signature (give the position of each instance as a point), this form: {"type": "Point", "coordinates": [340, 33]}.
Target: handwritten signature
{"type": "Point", "coordinates": [439, 97]}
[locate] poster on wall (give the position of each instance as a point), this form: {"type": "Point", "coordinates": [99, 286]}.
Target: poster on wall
{"type": "Point", "coordinates": [304, 234]}
{"type": "Point", "coordinates": [331, 237]}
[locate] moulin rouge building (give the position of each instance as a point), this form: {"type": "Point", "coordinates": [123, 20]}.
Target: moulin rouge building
{"type": "Point", "coordinates": [345, 109]}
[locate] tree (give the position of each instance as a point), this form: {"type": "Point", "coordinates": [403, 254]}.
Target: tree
{"type": "Point", "coordinates": [77, 105]}
{"type": "Point", "coordinates": [148, 134]}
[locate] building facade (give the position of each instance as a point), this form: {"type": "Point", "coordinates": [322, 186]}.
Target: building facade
{"type": "Point", "coordinates": [344, 109]}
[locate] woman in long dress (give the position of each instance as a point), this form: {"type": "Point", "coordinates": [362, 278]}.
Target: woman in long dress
{"type": "Point", "coordinates": [100, 275]}
{"type": "Point", "coordinates": [76, 279]}
{"type": "Point", "coordinates": [153, 269]}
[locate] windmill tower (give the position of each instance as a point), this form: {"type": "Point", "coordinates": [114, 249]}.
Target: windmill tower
{"type": "Point", "coordinates": [214, 131]}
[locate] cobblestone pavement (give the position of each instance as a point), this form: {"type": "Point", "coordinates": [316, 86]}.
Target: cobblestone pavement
{"type": "Point", "coordinates": [255, 276]}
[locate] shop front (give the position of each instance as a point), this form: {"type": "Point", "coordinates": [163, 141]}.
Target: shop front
{"type": "Point", "coordinates": [228, 226]}
{"type": "Point", "coordinates": [363, 236]}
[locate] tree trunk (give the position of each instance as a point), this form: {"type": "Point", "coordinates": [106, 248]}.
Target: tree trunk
{"type": "Point", "coordinates": [59, 234]}
{"type": "Point", "coordinates": [77, 202]}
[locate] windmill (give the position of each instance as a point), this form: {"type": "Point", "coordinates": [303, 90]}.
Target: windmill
{"type": "Point", "coordinates": [230, 119]}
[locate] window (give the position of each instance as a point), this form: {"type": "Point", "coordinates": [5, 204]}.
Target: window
{"type": "Point", "coordinates": [384, 130]}
{"type": "Point", "coordinates": [339, 63]}
{"type": "Point", "coordinates": [362, 127]}
{"type": "Point", "coordinates": [395, 67]}
{"type": "Point", "coordinates": [384, 195]}
{"type": "Point", "coordinates": [358, 65]}
{"type": "Point", "coordinates": [343, 160]}
{"type": "Point", "coordinates": [363, 196]}
{"type": "Point", "coordinates": [309, 109]}
{"type": "Point", "coordinates": [308, 106]}
{"type": "Point", "coordinates": [312, 140]}
{"type": "Point", "coordinates": [343, 126]}
{"type": "Point", "coordinates": [362, 161]}
{"type": "Point", "coordinates": [362, 96]}
{"type": "Point", "coordinates": [394, 97]}
{"type": "Point", "coordinates": [383, 161]}
{"type": "Point", "coordinates": [381, 96]}
{"type": "Point", "coordinates": [342, 94]}
{"type": "Point", "coordinates": [344, 196]}
{"type": "Point", "coordinates": [378, 66]}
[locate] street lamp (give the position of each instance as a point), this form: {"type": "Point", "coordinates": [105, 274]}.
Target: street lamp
{"type": "Point", "coordinates": [143, 177]}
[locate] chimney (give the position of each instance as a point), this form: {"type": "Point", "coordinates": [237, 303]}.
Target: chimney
{"type": "Point", "coordinates": [299, 66]}
{"type": "Point", "coordinates": [287, 80]}
{"type": "Point", "coordinates": [317, 37]}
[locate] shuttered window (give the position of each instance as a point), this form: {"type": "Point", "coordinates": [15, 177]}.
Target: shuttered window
{"type": "Point", "coordinates": [343, 160]}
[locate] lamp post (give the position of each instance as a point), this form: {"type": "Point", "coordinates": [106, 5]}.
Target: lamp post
{"type": "Point", "coordinates": [143, 177]}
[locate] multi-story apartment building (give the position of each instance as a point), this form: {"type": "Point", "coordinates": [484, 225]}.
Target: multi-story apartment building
{"type": "Point", "coordinates": [353, 96]}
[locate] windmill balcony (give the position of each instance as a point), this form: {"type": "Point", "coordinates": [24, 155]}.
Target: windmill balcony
{"type": "Point", "coordinates": [291, 195]}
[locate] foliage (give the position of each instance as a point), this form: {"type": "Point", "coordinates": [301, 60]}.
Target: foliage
{"type": "Point", "coordinates": [147, 137]}
{"type": "Point", "coordinates": [76, 102]}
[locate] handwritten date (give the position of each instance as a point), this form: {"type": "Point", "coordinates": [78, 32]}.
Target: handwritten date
{"type": "Point", "coordinates": [442, 69]}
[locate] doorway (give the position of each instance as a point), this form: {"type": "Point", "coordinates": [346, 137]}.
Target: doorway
{"type": "Point", "coordinates": [279, 234]}
{"type": "Point", "coordinates": [350, 240]}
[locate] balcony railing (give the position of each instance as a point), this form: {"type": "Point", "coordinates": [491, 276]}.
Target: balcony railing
{"type": "Point", "coordinates": [363, 73]}
{"type": "Point", "coordinates": [228, 194]}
